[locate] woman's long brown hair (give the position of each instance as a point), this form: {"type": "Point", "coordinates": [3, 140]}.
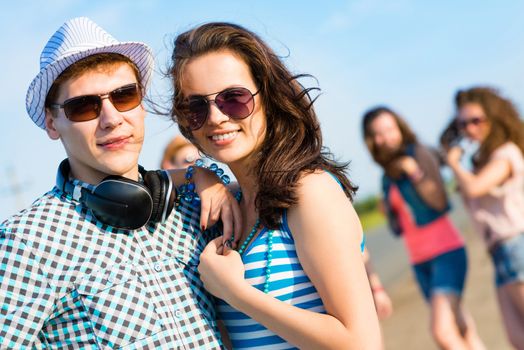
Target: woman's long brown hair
{"type": "Point", "coordinates": [506, 124]}
{"type": "Point", "coordinates": [293, 141]}
{"type": "Point", "coordinates": [408, 136]}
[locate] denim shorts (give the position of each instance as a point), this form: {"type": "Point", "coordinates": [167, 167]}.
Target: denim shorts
{"type": "Point", "coordinates": [508, 260]}
{"type": "Point", "coordinates": [444, 273]}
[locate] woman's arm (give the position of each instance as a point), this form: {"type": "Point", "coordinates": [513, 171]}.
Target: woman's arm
{"type": "Point", "coordinates": [381, 298]}
{"type": "Point", "coordinates": [216, 201]}
{"type": "Point", "coordinates": [327, 235]}
{"type": "Point", "coordinates": [424, 173]}
{"type": "Point", "coordinates": [494, 173]}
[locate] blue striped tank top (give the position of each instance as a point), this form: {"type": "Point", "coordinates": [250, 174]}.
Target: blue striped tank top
{"type": "Point", "coordinates": [288, 283]}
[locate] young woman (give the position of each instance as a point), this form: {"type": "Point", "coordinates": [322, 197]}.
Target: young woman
{"type": "Point", "coordinates": [297, 278]}
{"type": "Point", "coordinates": [416, 205]}
{"type": "Point", "coordinates": [494, 192]}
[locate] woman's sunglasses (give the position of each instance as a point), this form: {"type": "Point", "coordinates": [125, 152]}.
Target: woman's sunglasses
{"type": "Point", "coordinates": [463, 124]}
{"type": "Point", "coordinates": [88, 107]}
{"type": "Point", "coordinates": [236, 103]}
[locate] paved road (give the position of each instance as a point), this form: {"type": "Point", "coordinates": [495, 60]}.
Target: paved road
{"type": "Point", "coordinates": [408, 328]}
{"type": "Point", "coordinates": [388, 255]}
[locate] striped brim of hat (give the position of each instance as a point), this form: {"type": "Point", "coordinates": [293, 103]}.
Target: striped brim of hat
{"type": "Point", "coordinates": [74, 40]}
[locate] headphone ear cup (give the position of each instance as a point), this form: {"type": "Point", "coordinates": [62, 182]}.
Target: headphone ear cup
{"type": "Point", "coordinates": [161, 188]}
{"type": "Point", "coordinates": [120, 202]}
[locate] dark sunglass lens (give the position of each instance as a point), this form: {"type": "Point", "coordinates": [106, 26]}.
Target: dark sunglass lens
{"type": "Point", "coordinates": [126, 98]}
{"type": "Point", "coordinates": [463, 124]}
{"type": "Point", "coordinates": [82, 108]}
{"type": "Point", "coordinates": [476, 121]}
{"type": "Point", "coordinates": [235, 103]}
{"type": "Point", "coordinates": [197, 112]}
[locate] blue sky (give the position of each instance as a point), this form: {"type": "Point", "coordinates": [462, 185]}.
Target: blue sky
{"type": "Point", "coordinates": [410, 55]}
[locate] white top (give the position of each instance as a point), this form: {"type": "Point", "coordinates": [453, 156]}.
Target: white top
{"type": "Point", "coordinates": [499, 214]}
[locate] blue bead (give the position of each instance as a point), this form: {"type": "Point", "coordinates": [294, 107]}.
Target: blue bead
{"type": "Point", "coordinates": [188, 175]}
{"type": "Point", "coordinates": [219, 172]}
{"type": "Point", "coordinates": [188, 197]}
{"type": "Point", "coordinates": [191, 187]}
{"type": "Point", "coordinates": [225, 179]}
{"type": "Point", "coordinates": [199, 162]}
{"type": "Point", "coordinates": [213, 166]}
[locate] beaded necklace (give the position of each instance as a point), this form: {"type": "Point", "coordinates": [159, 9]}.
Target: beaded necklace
{"type": "Point", "coordinates": [187, 193]}
{"type": "Point", "coordinates": [269, 255]}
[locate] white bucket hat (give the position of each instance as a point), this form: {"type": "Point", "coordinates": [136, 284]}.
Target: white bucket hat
{"type": "Point", "coordinates": [73, 41]}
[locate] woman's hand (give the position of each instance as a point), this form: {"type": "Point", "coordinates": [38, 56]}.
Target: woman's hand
{"type": "Point", "coordinates": [454, 155]}
{"type": "Point", "coordinates": [408, 165]}
{"type": "Point", "coordinates": [403, 165]}
{"type": "Point", "coordinates": [216, 202]}
{"type": "Point", "coordinates": [221, 274]}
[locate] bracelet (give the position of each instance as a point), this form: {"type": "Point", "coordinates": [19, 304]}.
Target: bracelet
{"type": "Point", "coordinates": [416, 176]}
{"type": "Point", "coordinates": [216, 169]}
{"type": "Point", "coordinates": [377, 289]}
{"type": "Point", "coordinates": [187, 193]}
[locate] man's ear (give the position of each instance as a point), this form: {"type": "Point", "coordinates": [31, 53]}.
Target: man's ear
{"type": "Point", "coordinates": [52, 132]}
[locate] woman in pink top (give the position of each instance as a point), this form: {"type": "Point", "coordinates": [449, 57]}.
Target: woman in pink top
{"type": "Point", "coordinates": [416, 204]}
{"type": "Point", "coordinates": [494, 192]}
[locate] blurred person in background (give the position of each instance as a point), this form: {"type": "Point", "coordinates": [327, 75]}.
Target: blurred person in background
{"type": "Point", "coordinates": [416, 205]}
{"type": "Point", "coordinates": [493, 190]}
{"type": "Point", "coordinates": [179, 154]}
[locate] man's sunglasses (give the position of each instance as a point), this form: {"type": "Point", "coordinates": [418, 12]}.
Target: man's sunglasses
{"type": "Point", "coordinates": [236, 103]}
{"type": "Point", "coordinates": [88, 107]}
{"type": "Point", "coordinates": [463, 124]}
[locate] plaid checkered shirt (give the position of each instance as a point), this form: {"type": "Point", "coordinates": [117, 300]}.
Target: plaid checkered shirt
{"type": "Point", "coordinates": [70, 282]}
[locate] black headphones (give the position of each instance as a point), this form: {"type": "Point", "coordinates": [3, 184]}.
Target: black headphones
{"type": "Point", "coordinates": [121, 202]}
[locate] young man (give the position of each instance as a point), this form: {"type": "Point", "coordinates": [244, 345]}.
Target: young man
{"type": "Point", "coordinates": [103, 262]}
